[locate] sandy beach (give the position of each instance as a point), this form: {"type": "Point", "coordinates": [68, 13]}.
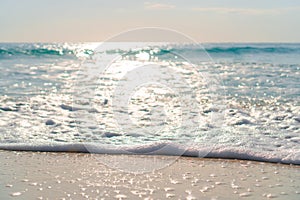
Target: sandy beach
{"type": "Point", "coordinates": [45, 175]}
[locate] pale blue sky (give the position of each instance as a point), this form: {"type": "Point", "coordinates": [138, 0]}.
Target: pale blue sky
{"type": "Point", "coordinates": [97, 20]}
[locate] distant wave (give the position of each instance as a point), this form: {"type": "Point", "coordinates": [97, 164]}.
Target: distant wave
{"type": "Point", "coordinates": [249, 49]}
{"type": "Point", "coordinates": [11, 50]}
{"type": "Point", "coordinates": [287, 157]}
{"type": "Point", "coordinates": [195, 51]}
{"type": "Point", "coordinates": [243, 49]}
{"type": "Point", "coordinates": [35, 52]}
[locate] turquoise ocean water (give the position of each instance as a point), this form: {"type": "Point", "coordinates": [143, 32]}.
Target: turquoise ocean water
{"type": "Point", "coordinates": [214, 100]}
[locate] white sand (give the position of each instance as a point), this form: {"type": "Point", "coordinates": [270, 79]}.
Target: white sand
{"type": "Point", "coordinates": [33, 175]}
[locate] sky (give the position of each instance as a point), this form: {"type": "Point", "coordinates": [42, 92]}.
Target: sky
{"type": "Point", "coordinates": [98, 20]}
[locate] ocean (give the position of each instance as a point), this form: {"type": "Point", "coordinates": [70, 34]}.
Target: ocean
{"type": "Point", "coordinates": [228, 100]}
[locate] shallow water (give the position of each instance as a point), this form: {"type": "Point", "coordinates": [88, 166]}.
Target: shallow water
{"type": "Point", "coordinates": [232, 100]}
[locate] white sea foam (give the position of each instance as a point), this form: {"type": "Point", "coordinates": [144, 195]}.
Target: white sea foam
{"type": "Point", "coordinates": [286, 157]}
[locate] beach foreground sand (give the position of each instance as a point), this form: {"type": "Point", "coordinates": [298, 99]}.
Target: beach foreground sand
{"type": "Point", "coordinates": [46, 175]}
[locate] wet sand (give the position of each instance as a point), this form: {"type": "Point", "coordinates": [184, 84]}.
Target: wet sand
{"type": "Point", "coordinates": [34, 175]}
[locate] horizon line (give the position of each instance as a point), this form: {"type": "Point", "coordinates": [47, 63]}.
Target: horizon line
{"type": "Point", "coordinates": [206, 42]}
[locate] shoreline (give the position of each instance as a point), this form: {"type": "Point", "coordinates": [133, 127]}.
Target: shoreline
{"type": "Point", "coordinates": [52, 175]}
{"type": "Point", "coordinates": [162, 149]}
{"type": "Point", "coordinates": [137, 154]}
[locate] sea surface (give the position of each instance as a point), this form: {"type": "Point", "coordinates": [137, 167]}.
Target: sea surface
{"type": "Point", "coordinates": [229, 100]}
